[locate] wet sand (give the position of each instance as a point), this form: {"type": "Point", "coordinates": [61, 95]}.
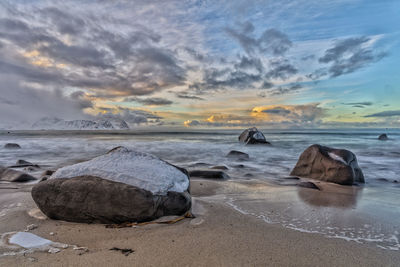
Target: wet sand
{"type": "Point", "coordinates": [219, 236]}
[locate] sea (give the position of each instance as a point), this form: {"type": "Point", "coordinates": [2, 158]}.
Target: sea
{"type": "Point", "coordinates": [368, 213]}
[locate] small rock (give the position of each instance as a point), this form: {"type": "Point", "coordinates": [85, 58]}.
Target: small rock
{"type": "Point", "coordinates": [237, 154]}
{"type": "Point", "coordinates": [252, 136]}
{"type": "Point", "coordinates": [47, 173]}
{"type": "Point", "coordinates": [208, 174]}
{"type": "Point", "coordinates": [12, 146]}
{"type": "Point", "coordinates": [31, 227]}
{"type": "Point", "coordinates": [11, 175]}
{"type": "Point", "coordinates": [54, 250]}
{"type": "Point", "coordinates": [23, 163]}
{"type": "Point", "coordinates": [222, 167]}
{"type": "Point", "coordinates": [125, 251]}
{"type": "Point", "coordinates": [32, 259]}
{"type": "Point", "coordinates": [383, 137]}
{"type": "Point", "coordinates": [292, 178]}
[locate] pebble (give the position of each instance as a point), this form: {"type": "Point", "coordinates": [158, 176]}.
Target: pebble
{"type": "Point", "coordinates": [54, 250]}
{"type": "Point", "coordinates": [31, 227]}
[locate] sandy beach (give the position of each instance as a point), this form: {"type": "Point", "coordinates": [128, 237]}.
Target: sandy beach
{"type": "Point", "coordinates": [218, 236]}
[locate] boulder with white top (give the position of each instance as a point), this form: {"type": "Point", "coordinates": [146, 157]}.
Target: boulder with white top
{"type": "Point", "coordinates": [253, 136]}
{"type": "Point", "coordinates": [120, 186]}
{"type": "Point", "coordinates": [328, 164]}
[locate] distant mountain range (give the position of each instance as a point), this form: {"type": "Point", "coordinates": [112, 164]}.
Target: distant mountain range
{"type": "Point", "coordinates": [60, 124]}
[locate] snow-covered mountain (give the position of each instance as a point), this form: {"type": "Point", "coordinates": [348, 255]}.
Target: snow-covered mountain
{"type": "Point", "coordinates": [60, 124]}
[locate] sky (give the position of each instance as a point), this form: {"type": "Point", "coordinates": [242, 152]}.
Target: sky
{"type": "Point", "coordinates": [202, 64]}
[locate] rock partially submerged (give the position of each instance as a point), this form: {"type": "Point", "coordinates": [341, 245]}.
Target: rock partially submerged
{"type": "Point", "coordinates": [11, 175]}
{"type": "Point", "coordinates": [328, 164]}
{"type": "Point", "coordinates": [208, 174]}
{"type": "Point", "coordinates": [252, 136]}
{"type": "Point", "coordinates": [383, 137]}
{"type": "Point", "coordinates": [220, 167]}
{"type": "Point", "coordinates": [23, 163]}
{"type": "Point", "coordinates": [12, 146]}
{"type": "Point", "coordinates": [237, 154]}
{"type": "Point", "coordinates": [120, 186]}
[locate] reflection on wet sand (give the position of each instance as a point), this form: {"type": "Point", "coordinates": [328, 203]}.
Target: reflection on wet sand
{"type": "Point", "coordinates": [331, 195]}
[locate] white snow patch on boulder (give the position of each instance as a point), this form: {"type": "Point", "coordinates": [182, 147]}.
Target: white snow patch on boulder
{"type": "Point", "coordinates": [131, 167]}
{"type": "Point", "coordinates": [336, 157]}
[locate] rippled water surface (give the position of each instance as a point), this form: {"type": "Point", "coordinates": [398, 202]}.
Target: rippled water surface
{"type": "Point", "coordinates": [370, 213]}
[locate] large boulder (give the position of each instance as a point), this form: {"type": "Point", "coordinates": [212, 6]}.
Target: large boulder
{"type": "Point", "coordinates": [91, 199]}
{"type": "Point", "coordinates": [11, 175]}
{"type": "Point", "coordinates": [120, 186]}
{"type": "Point", "coordinates": [328, 164]}
{"type": "Point", "coordinates": [252, 136]}
{"type": "Point", "coordinates": [383, 137]}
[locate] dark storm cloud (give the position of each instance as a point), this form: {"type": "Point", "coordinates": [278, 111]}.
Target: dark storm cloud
{"type": "Point", "coordinates": [282, 90]}
{"type": "Point", "coordinates": [358, 104]}
{"type": "Point", "coordinates": [249, 63]}
{"type": "Point", "coordinates": [100, 59]}
{"type": "Point", "coordinates": [388, 113]}
{"type": "Point", "coordinates": [349, 55]}
{"type": "Point", "coordinates": [65, 23]}
{"type": "Point", "coordinates": [271, 41]}
{"type": "Point", "coordinates": [266, 85]}
{"type": "Point", "coordinates": [185, 95]}
{"type": "Point", "coordinates": [155, 101]}
{"type": "Point", "coordinates": [277, 110]}
{"type": "Point", "coordinates": [281, 69]}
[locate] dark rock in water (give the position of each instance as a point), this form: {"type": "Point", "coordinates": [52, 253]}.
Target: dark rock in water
{"type": "Point", "coordinates": [208, 174]}
{"type": "Point", "coordinates": [239, 166]}
{"type": "Point", "coordinates": [328, 164]}
{"type": "Point", "coordinates": [292, 178]}
{"type": "Point", "coordinates": [23, 163]}
{"type": "Point", "coordinates": [90, 199]}
{"type": "Point", "coordinates": [47, 173]}
{"type": "Point", "coordinates": [11, 175]}
{"type": "Point", "coordinates": [199, 164]}
{"type": "Point", "coordinates": [383, 137]}
{"type": "Point", "coordinates": [222, 167]}
{"type": "Point", "coordinates": [12, 146]}
{"type": "Point", "coordinates": [253, 136]}
{"type": "Point", "coordinates": [382, 180]}
{"type": "Point", "coordinates": [310, 185]}
{"type": "Point", "coordinates": [237, 154]}
{"type": "Point", "coordinates": [248, 175]}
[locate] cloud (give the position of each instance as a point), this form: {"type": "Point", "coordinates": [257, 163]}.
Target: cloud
{"type": "Point", "coordinates": [359, 104]}
{"type": "Point", "coordinates": [349, 55]}
{"type": "Point", "coordinates": [155, 101]}
{"type": "Point", "coordinates": [290, 114]}
{"type": "Point", "coordinates": [20, 112]}
{"type": "Point", "coordinates": [191, 123]}
{"type": "Point", "coordinates": [308, 115]}
{"type": "Point", "coordinates": [93, 57]}
{"type": "Point", "coordinates": [271, 41]}
{"type": "Point", "coordinates": [388, 113]}
{"type": "Point", "coordinates": [131, 116]}
{"type": "Point", "coordinates": [185, 95]}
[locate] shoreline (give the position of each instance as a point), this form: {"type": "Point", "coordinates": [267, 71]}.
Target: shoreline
{"type": "Point", "coordinates": [219, 235]}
